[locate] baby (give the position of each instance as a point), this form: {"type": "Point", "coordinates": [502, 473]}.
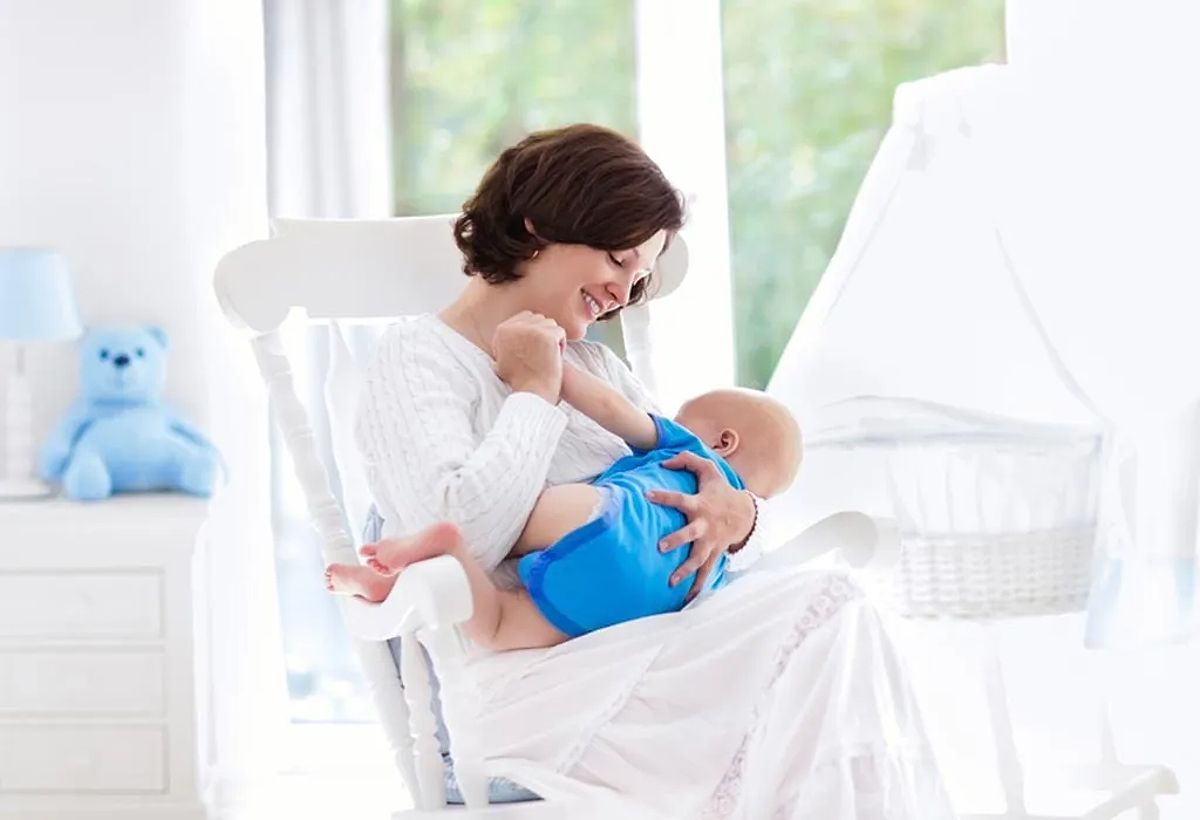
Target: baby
{"type": "Point", "coordinates": [603, 535]}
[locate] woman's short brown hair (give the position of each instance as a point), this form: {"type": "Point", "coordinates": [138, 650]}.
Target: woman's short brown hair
{"type": "Point", "coordinates": [582, 184]}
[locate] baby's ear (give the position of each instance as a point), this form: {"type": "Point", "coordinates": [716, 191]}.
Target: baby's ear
{"type": "Point", "coordinates": [727, 442]}
{"type": "Point", "coordinates": [159, 335]}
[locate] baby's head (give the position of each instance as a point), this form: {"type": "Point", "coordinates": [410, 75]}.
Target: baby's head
{"type": "Point", "coordinates": [752, 431]}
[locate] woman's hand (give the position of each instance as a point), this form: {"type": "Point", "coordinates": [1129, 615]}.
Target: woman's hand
{"type": "Point", "coordinates": [718, 516]}
{"type": "Point", "coordinates": [528, 349]}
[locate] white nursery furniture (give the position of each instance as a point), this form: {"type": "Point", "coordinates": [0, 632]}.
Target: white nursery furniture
{"type": "Point", "coordinates": [335, 269]}
{"type": "Point", "coordinates": [98, 696]}
{"type": "Point", "coordinates": [996, 520]}
{"type": "Point", "coordinates": [933, 391]}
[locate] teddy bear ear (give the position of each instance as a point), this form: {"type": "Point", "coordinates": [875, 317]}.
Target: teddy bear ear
{"type": "Point", "coordinates": [159, 335]}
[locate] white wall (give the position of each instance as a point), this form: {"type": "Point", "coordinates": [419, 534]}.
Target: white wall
{"type": "Point", "coordinates": [111, 150]}
{"type": "Point", "coordinates": [133, 138]}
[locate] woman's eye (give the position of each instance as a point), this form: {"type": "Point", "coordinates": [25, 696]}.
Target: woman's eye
{"type": "Point", "coordinates": [104, 353]}
{"type": "Point", "coordinates": [615, 261]}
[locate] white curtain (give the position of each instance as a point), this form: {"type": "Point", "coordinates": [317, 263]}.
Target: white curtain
{"type": "Point", "coordinates": [327, 95]}
{"type": "Point", "coordinates": [223, 135]}
{"type": "Point", "coordinates": [1110, 126]}
{"type": "Point", "coordinates": [329, 151]}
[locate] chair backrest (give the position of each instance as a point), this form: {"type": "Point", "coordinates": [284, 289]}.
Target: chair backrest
{"type": "Point", "coordinates": [365, 269]}
{"type": "Point", "coordinates": [359, 269]}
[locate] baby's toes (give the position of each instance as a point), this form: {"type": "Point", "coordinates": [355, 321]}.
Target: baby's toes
{"type": "Point", "coordinates": [367, 550]}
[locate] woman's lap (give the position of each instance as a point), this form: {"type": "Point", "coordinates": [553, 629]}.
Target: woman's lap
{"type": "Point", "coordinates": [786, 663]}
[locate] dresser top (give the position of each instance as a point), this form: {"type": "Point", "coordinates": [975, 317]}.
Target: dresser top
{"type": "Point", "coordinates": [173, 509]}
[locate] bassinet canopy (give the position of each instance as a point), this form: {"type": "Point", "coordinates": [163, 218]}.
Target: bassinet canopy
{"type": "Point", "coordinates": [950, 370]}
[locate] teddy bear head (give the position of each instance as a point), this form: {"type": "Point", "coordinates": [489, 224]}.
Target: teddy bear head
{"type": "Point", "coordinates": [123, 364]}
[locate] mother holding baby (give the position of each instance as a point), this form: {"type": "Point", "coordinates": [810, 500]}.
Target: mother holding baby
{"type": "Point", "coordinates": [778, 695]}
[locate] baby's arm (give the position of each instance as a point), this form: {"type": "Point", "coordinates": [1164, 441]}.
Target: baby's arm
{"type": "Point", "coordinates": [600, 402]}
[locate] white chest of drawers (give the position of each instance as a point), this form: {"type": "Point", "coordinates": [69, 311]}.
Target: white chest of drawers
{"type": "Point", "coordinates": [98, 707]}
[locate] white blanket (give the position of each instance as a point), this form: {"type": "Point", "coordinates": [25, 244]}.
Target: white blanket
{"type": "Point", "coordinates": [780, 696]}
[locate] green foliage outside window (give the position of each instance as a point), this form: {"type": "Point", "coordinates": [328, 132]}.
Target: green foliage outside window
{"type": "Point", "coordinates": [808, 94]}
{"type": "Point", "coordinates": [471, 77]}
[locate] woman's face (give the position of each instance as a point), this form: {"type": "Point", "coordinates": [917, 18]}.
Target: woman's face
{"type": "Point", "coordinates": [576, 284]}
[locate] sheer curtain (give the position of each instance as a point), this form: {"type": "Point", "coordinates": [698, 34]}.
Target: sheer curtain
{"type": "Point", "coordinates": [329, 144]}
{"type": "Point", "coordinates": [223, 138]}
{"type": "Point", "coordinates": [1112, 228]}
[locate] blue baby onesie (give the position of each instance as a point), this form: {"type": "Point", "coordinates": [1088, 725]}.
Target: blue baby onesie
{"type": "Point", "coordinates": [610, 570]}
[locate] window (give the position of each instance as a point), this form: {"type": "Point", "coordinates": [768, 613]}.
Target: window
{"type": "Point", "coordinates": [808, 97]}
{"type": "Point", "coordinates": [470, 78]}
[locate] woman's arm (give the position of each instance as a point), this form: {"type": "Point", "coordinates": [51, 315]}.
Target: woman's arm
{"type": "Point", "coordinates": [426, 461]}
{"type": "Point", "coordinates": [604, 405]}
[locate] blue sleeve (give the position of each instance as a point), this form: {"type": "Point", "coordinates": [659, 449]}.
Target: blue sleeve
{"type": "Point", "coordinates": [673, 436]}
{"type": "Point", "coordinates": [670, 436]}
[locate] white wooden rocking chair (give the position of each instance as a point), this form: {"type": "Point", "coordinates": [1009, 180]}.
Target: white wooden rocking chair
{"type": "Point", "coordinates": [359, 269]}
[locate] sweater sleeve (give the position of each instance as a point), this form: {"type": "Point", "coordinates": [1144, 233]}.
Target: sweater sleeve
{"type": "Point", "coordinates": [426, 462]}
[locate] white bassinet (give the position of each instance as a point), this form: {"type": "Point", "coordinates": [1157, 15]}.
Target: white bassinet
{"type": "Point", "coordinates": [997, 516]}
{"type": "Point", "coordinates": [931, 391]}
{"type": "Point", "coordinates": [335, 269]}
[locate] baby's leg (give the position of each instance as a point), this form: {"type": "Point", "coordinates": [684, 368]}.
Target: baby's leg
{"type": "Point", "coordinates": [501, 619]}
{"type": "Point", "coordinates": [558, 511]}
{"type": "Point", "coordinates": [354, 579]}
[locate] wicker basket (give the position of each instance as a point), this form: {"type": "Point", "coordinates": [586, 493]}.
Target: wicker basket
{"type": "Point", "coordinates": [997, 517]}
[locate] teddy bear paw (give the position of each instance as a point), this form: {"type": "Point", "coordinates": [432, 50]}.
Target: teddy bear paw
{"type": "Point", "coordinates": [87, 479]}
{"type": "Point", "coordinates": [198, 477]}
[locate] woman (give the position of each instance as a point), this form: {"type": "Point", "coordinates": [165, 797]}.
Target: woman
{"type": "Point", "coordinates": [778, 696]}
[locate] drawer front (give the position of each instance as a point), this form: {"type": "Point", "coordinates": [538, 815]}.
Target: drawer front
{"type": "Point", "coordinates": [81, 682]}
{"type": "Point", "coordinates": [81, 605]}
{"type": "Point", "coordinates": [114, 759]}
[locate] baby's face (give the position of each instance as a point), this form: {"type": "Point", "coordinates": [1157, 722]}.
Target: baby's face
{"type": "Point", "coordinates": [753, 432]}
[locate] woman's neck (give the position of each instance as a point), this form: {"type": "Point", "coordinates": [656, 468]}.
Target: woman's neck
{"type": "Point", "coordinates": [480, 309]}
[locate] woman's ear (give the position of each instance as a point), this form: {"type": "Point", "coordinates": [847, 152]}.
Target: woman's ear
{"type": "Point", "coordinates": [727, 443]}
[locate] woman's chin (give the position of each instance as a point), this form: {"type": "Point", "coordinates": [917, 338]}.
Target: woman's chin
{"type": "Point", "coordinates": [576, 330]}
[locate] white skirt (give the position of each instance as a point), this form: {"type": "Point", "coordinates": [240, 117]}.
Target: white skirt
{"type": "Point", "coordinates": [778, 696]}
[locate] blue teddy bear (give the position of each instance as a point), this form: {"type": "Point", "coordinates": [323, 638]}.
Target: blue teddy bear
{"type": "Point", "coordinates": [121, 436]}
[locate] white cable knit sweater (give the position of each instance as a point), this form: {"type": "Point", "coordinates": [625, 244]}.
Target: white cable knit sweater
{"type": "Point", "coordinates": [443, 438]}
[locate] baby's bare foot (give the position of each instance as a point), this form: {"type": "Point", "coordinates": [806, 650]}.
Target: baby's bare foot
{"type": "Point", "coordinates": [391, 555]}
{"type": "Point", "coordinates": [364, 582]}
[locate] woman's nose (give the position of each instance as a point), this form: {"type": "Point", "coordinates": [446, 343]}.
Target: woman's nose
{"type": "Point", "coordinates": [619, 291]}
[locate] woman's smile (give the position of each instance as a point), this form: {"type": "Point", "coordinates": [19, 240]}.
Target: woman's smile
{"type": "Point", "coordinates": [593, 307]}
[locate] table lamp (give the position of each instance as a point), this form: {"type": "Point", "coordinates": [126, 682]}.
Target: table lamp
{"type": "Point", "coordinates": [36, 305]}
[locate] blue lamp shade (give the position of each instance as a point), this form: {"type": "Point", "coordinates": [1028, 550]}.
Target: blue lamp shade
{"type": "Point", "coordinates": [37, 303]}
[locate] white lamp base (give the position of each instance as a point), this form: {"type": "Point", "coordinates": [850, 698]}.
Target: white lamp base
{"type": "Point", "coordinates": [19, 489]}
{"type": "Point", "coordinates": [18, 480]}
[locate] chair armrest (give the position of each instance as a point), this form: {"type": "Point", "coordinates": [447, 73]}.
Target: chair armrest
{"type": "Point", "coordinates": [861, 540]}
{"type": "Point", "coordinates": [430, 593]}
